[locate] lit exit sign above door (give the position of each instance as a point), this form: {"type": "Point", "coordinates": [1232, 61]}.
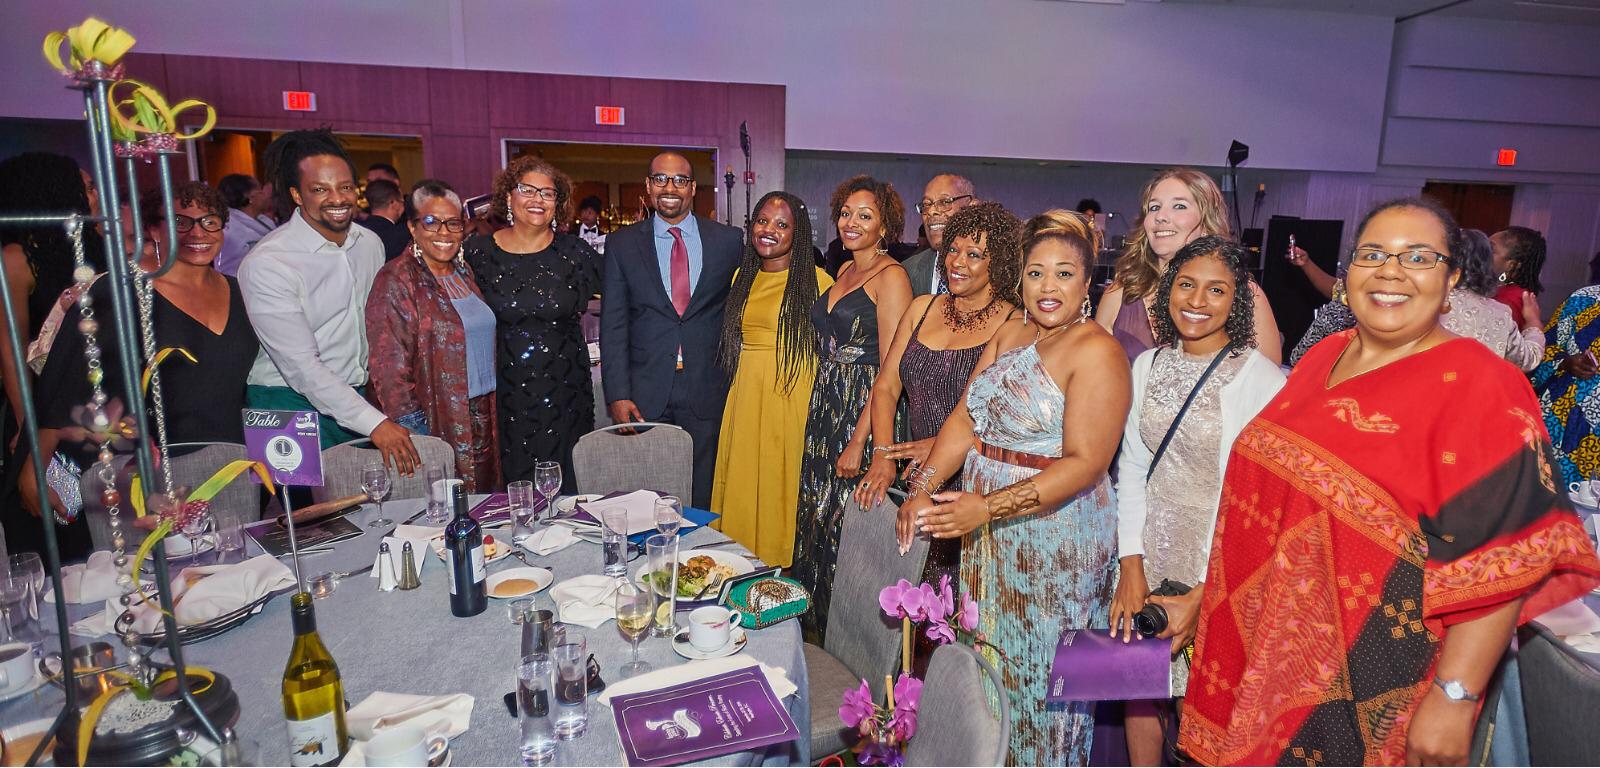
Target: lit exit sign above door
{"type": "Point", "coordinates": [299, 101]}
{"type": "Point", "coordinates": [609, 116]}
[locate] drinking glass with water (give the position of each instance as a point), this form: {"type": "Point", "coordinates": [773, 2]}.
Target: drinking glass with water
{"type": "Point", "coordinates": [614, 541]}
{"type": "Point", "coordinates": [520, 500]}
{"type": "Point", "coordinates": [438, 494]}
{"type": "Point", "coordinates": [535, 695]}
{"type": "Point", "coordinates": [668, 515]}
{"type": "Point", "coordinates": [571, 659]}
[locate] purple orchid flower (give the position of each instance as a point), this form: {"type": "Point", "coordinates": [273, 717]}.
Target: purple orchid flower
{"type": "Point", "coordinates": [940, 631]}
{"type": "Point", "coordinates": [875, 752]}
{"type": "Point", "coordinates": [892, 598]}
{"type": "Point", "coordinates": [907, 697]}
{"type": "Point", "coordinates": [858, 706]}
{"type": "Point", "coordinates": [947, 596]}
{"type": "Point", "coordinates": [968, 617]}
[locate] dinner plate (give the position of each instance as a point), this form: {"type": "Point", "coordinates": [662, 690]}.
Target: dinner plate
{"type": "Point", "coordinates": [565, 504]}
{"type": "Point", "coordinates": [28, 687]}
{"type": "Point", "coordinates": [740, 566]}
{"type": "Point", "coordinates": [737, 640]}
{"type": "Point", "coordinates": [502, 549]}
{"type": "Point", "coordinates": [539, 576]}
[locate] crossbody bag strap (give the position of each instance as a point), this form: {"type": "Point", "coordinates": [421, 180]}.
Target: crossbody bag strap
{"type": "Point", "coordinates": [1193, 393]}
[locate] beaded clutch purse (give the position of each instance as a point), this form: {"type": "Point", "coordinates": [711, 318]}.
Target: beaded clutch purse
{"type": "Point", "coordinates": [767, 601]}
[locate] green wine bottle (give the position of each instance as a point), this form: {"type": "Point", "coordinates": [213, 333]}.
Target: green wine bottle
{"type": "Point", "coordinates": [313, 696]}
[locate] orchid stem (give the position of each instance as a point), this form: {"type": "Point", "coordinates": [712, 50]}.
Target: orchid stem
{"type": "Point", "coordinates": [905, 645]}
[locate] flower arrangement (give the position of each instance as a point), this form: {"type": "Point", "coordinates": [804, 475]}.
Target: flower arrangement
{"type": "Point", "coordinates": [885, 730]}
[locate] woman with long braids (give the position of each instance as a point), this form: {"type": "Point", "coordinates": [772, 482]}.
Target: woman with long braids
{"type": "Point", "coordinates": [1518, 260]}
{"type": "Point", "coordinates": [769, 348]}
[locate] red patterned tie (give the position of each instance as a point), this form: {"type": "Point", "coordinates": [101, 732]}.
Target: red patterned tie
{"type": "Point", "coordinates": [678, 270]}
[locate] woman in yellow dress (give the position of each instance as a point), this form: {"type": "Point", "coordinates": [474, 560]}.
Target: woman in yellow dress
{"type": "Point", "coordinates": [769, 346]}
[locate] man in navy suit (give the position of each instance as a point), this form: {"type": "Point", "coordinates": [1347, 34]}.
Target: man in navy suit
{"type": "Point", "coordinates": [666, 286]}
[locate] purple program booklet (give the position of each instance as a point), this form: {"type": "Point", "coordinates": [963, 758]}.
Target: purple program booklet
{"type": "Point", "coordinates": [1091, 665]}
{"type": "Point", "coordinates": [707, 718]}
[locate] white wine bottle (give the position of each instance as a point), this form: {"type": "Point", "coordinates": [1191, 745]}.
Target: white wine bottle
{"type": "Point", "coordinates": [313, 696]}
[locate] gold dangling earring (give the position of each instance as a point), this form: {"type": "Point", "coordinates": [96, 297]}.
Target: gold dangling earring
{"type": "Point", "coordinates": [1339, 293]}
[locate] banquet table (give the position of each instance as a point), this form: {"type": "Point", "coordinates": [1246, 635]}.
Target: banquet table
{"type": "Point", "coordinates": [408, 642]}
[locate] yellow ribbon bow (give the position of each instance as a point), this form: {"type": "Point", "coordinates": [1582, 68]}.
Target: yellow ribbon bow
{"type": "Point", "coordinates": [152, 117]}
{"type": "Point", "coordinates": [93, 40]}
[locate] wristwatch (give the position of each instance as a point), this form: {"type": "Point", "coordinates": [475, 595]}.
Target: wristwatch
{"type": "Point", "coordinates": [1455, 691]}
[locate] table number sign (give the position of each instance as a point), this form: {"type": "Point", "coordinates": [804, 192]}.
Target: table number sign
{"type": "Point", "coordinates": [287, 442]}
{"type": "Point", "coordinates": [706, 718]}
{"type": "Point", "coordinates": [1092, 665]}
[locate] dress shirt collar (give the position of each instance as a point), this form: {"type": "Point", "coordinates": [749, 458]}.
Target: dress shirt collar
{"type": "Point", "coordinates": [307, 238]}
{"type": "Point", "coordinates": [690, 229]}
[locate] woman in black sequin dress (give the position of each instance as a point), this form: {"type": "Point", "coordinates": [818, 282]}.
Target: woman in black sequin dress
{"type": "Point", "coordinates": [538, 283]}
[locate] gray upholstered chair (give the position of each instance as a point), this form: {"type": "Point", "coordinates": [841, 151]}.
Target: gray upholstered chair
{"type": "Point", "coordinates": [954, 723]}
{"type": "Point", "coordinates": [238, 503]}
{"type": "Point", "coordinates": [1560, 695]}
{"type": "Point", "coordinates": [660, 458]}
{"type": "Point", "coordinates": [861, 643]}
{"type": "Point", "coordinates": [342, 464]}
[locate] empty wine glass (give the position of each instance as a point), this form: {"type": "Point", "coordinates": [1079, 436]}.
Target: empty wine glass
{"type": "Point", "coordinates": [194, 529]}
{"type": "Point", "coordinates": [547, 479]}
{"type": "Point", "coordinates": [633, 618]}
{"type": "Point", "coordinates": [668, 515]}
{"type": "Point", "coordinates": [375, 481]}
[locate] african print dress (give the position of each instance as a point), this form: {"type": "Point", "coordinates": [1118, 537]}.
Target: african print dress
{"type": "Point", "coordinates": [1572, 405]}
{"type": "Point", "coordinates": [1040, 573]}
{"type": "Point", "coordinates": [1358, 523]}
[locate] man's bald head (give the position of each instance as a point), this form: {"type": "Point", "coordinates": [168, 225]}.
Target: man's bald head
{"type": "Point", "coordinates": [944, 195]}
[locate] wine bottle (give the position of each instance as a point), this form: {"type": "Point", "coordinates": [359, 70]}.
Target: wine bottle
{"type": "Point", "coordinates": [464, 538]}
{"type": "Point", "coordinates": [313, 696]}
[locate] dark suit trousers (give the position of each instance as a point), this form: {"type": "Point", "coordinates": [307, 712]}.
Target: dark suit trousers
{"type": "Point", "coordinates": [704, 430]}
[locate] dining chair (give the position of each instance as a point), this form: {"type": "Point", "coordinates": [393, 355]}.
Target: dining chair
{"type": "Point", "coordinates": [659, 457]}
{"type": "Point", "coordinates": [955, 725]}
{"type": "Point", "coordinates": [1560, 696]}
{"type": "Point", "coordinates": [238, 503]}
{"type": "Point", "coordinates": [342, 465]}
{"type": "Point", "coordinates": [861, 643]}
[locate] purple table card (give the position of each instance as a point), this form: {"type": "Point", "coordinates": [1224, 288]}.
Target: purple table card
{"type": "Point", "coordinates": [707, 718]}
{"type": "Point", "coordinates": [287, 442]}
{"type": "Point", "coordinates": [1091, 665]}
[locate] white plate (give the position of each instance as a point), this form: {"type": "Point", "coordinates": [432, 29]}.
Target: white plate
{"type": "Point", "coordinates": [25, 688]}
{"type": "Point", "coordinates": [565, 504]}
{"type": "Point", "coordinates": [737, 640]}
{"type": "Point", "coordinates": [539, 576]}
{"type": "Point", "coordinates": [502, 548]}
{"type": "Point", "coordinates": [740, 565]}
{"type": "Point", "coordinates": [207, 543]}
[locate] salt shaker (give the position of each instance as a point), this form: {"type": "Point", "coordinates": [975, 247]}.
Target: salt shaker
{"type": "Point", "coordinates": [408, 568]}
{"type": "Point", "coordinates": [386, 577]}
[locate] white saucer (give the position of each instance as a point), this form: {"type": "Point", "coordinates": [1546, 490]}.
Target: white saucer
{"type": "Point", "coordinates": [737, 640]}
{"type": "Point", "coordinates": [25, 688]}
{"type": "Point", "coordinates": [540, 577]}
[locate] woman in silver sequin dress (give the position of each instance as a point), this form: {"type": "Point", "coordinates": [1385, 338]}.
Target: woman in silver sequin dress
{"type": "Point", "coordinates": [1165, 517]}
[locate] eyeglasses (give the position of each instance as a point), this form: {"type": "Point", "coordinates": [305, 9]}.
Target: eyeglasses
{"type": "Point", "coordinates": [209, 222]}
{"type": "Point", "coordinates": [543, 193]}
{"type": "Point", "coordinates": [942, 204]}
{"type": "Point", "coordinates": [1373, 258]}
{"type": "Point", "coordinates": [431, 223]}
{"type": "Point", "coordinates": [661, 180]}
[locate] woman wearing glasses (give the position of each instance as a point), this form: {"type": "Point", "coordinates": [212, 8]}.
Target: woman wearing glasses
{"type": "Point", "coordinates": [430, 340]}
{"type": "Point", "coordinates": [195, 309]}
{"type": "Point", "coordinates": [1386, 523]}
{"type": "Point", "coordinates": [538, 283]}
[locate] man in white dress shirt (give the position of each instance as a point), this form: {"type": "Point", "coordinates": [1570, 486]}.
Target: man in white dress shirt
{"type": "Point", "coordinates": [589, 224]}
{"type": "Point", "coordinates": [305, 286]}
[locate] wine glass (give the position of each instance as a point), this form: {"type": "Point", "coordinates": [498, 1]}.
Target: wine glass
{"type": "Point", "coordinates": [547, 479]}
{"type": "Point", "coordinates": [194, 529]}
{"type": "Point", "coordinates": [375, 481]}
{"type": "Point", "coordinates": [633, 618]}
{"type": "Point", "coordinates": [28, 564]}
{"type": "Point", "coordinates": [668, 515]}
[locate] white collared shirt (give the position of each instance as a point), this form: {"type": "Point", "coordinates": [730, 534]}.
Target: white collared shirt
{"type": "Point", "coordinates": [307, 299]}
{"type": "Point", "coordinates": [593, 237]}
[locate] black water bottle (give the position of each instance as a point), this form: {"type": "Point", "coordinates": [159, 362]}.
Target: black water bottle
{"type": "Point", "coordinates": [464, 538]}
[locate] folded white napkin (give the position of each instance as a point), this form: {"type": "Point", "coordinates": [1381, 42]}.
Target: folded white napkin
{"type": "Point", "coordinates": [1584, 643]}
{"type": "Point", "coordinates": [777, 677]}
{"type": "Point", "coordinates": [200, 594]}
{"type": "Point", "coordinates": [91, 582]}
{"type": "Point", "coordinates": [549, 538]}
{"type": "Point", "coordinates": [586, 600]}
{"type": "Point", "coordinates": [447, 715]}
{"type": "Point", "coordinates": [1572, 618]}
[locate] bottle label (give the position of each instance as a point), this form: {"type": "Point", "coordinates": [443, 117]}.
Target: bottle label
{"type": "Point", "coordinates": [314, 741]}
{"type": "Point", "coordinates": [479, 570]}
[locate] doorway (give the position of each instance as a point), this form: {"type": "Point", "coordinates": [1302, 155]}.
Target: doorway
{"type": "Point", "coordinates": [615, 173]}
{"type": "Point", "coordinates": [1484, 207]}
{"type": "Point", "coordinates": [239, 150]}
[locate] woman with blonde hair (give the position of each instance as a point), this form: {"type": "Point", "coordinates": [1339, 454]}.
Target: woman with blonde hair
{"type": "Point", "coordinates": [1178, 206]}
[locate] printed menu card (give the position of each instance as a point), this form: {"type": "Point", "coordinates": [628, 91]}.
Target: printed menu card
{"type": "Point", "coordinates": [706, 718]}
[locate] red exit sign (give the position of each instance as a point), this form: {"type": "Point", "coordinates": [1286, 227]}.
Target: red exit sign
{"type": "Point", "coordinates": [609, 116]}
{"type": "Point", "coordinates": [1506, 156]}
{"type": "Point", "coordinates": [299, 101]}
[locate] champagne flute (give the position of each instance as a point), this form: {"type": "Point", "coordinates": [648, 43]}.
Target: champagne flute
{"type": "Point", "coordinates": [375, 481]}
{"type": "Point", "coordinates": [633, 618]}
{"type": "Point", "coordinates": [668, 515]}
{"type": "Point", "coordinates": [547, 479]}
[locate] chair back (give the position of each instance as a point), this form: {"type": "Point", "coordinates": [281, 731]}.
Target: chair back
{"type": "Point", "coordinates": [1560, 695]}
{"type": "Point", "coordinates": [342, 464]}
{"type": "Point", "coordinates": [238, 503]}
{"type": "Point", "coordinates": [859, 634]}
{"type": "Point", "coordinates": [660, 458]}
{"type": "Point", "coordinates": [954, 723]}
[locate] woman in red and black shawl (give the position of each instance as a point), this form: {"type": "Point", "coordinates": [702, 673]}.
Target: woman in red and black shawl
{"type": "Point", "coordinates": [1386, 522]}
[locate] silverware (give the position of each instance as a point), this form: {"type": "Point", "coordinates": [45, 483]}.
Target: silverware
{"type": "Point", "coordinates": [413, 518]}
{"type": "Point", "coordinates": [308, 551]}
{"type": "Point", "coordinates": [715, 544]}
{"type": "Point", "coordinates": [707, 588]}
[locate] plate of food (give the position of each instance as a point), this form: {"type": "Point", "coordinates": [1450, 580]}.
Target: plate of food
{"type": "Point", "coordinates": [494, 550]}
{"type": "Point", "coordinates": [519, 582]}
{"type": "Point", "coordinates": [697, 571]}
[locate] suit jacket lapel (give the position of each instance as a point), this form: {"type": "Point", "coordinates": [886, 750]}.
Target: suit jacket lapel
{"type": "Point", "coordinates": [650, 268]}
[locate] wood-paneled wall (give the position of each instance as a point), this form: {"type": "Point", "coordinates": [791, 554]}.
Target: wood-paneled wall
{"type": "Point", "coordinates": [462, 116]}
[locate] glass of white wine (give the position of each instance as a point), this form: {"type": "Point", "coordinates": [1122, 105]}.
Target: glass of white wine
{"type": "Point", "coordinates": [633, 618]}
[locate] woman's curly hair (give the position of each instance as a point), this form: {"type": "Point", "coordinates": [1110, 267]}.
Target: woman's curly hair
{"type": "Point", "coordinates": [1241, 326]}
{"type": "Point", "coordinates": [507, 179]}
{"type": "Point", "coordinates": [184, 193]}
{"type": "Point", "coordinates": [890, 206]}
{"type": "Point", "coordinates": [1002, 244]}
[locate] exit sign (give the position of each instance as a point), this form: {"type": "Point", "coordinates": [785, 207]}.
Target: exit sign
{"type": "Point", "coordinates": [1506, 156]}
{"type": "Point", "coordinates": [299, 101]}
{"type": "Point", "coordinates": [609, 116]}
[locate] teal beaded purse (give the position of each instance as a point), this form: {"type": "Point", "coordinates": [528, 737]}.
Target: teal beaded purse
{"type": "Point", "coordinates": [767, 600]}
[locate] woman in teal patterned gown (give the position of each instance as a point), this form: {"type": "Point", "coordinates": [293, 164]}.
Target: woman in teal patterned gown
{"type": "Point", "coordinates": [1567, 382]}
{"type": "Point", "coordinates": [1038, 430]}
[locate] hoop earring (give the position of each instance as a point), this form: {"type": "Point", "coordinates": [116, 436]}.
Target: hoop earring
{"type": "Point", "coordinates": [1086, 311]}
{"type": "Point", "coordinates": [1502, 277]}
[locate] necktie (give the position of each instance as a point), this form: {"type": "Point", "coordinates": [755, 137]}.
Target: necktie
{"type": "Point", "coordinates": [678, 271]}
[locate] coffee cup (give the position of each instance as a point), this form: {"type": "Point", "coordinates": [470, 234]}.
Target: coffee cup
{"type": "Point", "coordinates": [16, 666]}
{"type": "Point", "coordinates": [404, 745]}
{"type": "Point", "coordinates": [711, 627]}
{"type": "Point", "coordinates": [1583, 492]}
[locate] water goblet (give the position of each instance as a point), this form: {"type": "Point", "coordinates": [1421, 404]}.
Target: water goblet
{"type": "Point", "coordinates": [547, 478]}
{"type": "Point", "coordinates": [669, 515]}
{"type": "Point", "coordinates": [375, 482]}
{"type": "Point", "coordinates": [634, 619]}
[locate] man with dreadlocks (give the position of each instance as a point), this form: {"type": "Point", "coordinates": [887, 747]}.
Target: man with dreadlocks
{"type": "Point", "coordinates": [305, 287]}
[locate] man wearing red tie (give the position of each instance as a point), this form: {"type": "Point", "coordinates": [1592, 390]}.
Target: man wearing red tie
{"type": "Point", "coordinates": [666, 286]}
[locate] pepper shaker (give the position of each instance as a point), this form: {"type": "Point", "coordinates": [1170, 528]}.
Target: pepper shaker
{"type": "Point", "coordinates": [409, 578]}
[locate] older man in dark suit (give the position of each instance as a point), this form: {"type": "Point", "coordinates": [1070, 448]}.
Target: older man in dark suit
{"type": "Point", "coordinates": [944, 195]}
{"type": "Point", "coordinates": [666, 286]}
